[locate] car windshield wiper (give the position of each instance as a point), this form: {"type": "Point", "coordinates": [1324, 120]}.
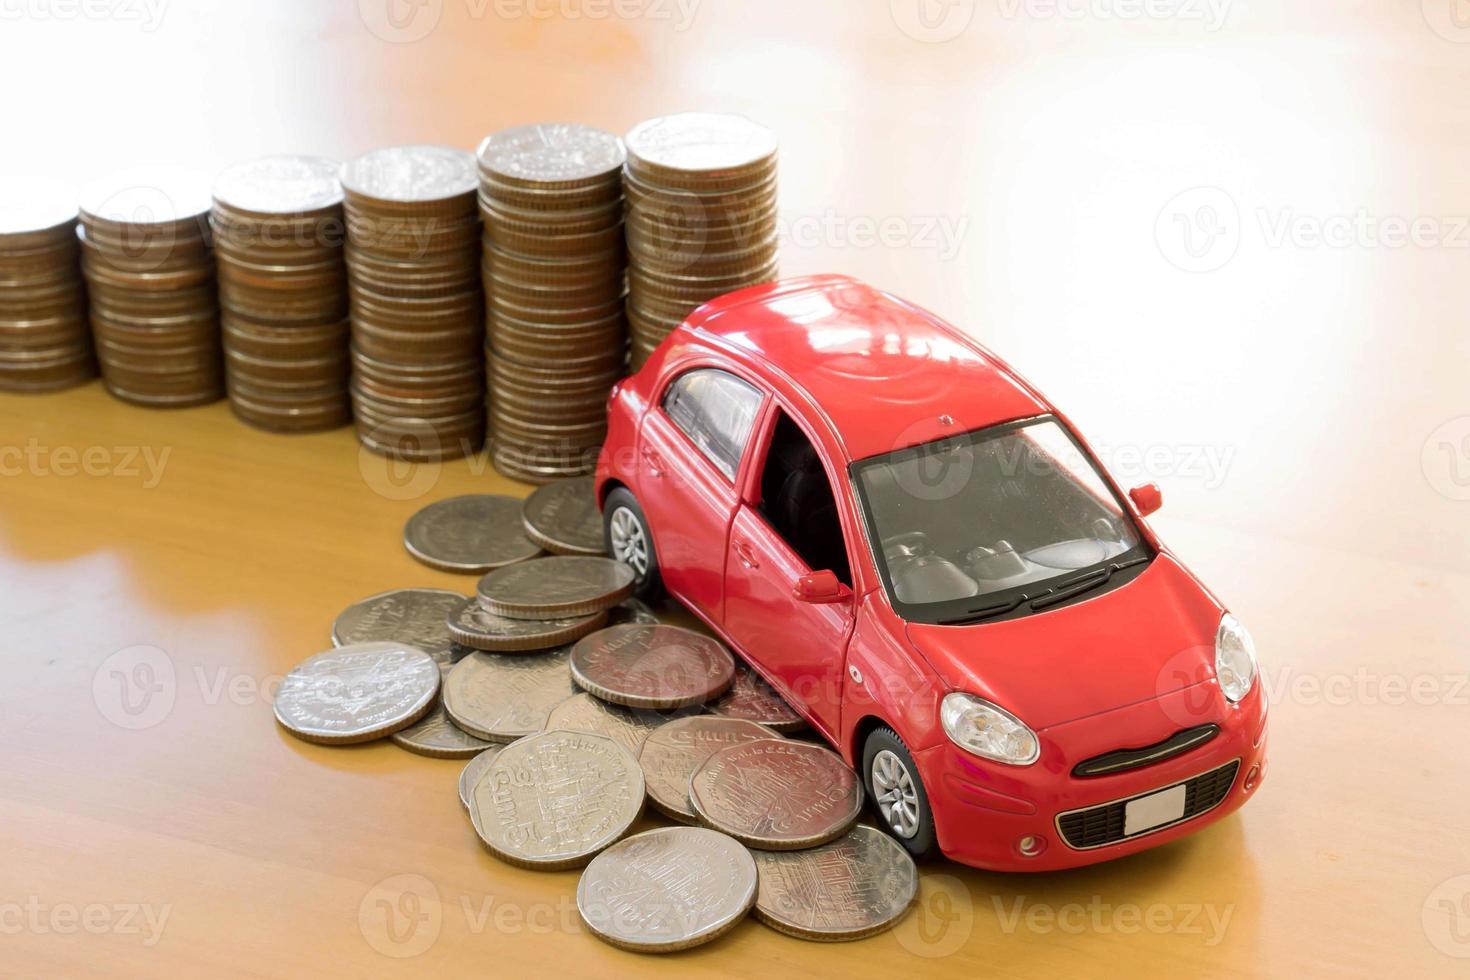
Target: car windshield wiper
{"type": "Point", "coordinates": [1043, 599]}
{"type": "Point", "coordinates": [983, 612]}
{"type": "Point", "coordinates": [1085, 583]}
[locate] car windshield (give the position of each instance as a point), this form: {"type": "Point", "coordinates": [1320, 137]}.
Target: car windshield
{"type": "Point", "coordinates": [977, 524]}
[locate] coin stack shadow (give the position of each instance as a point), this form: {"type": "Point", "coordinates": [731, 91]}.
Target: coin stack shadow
{"type": "Point", "coordinates": [413, 253]}
{"type": "Point", "coordinates": [44, 341]}
{"type": "Point", "coordinates": [278, 234]}
{"type": "Point", "coordinates": [554, 270]}
{"type": "Point", "coordinates": [150, 275]}
{"type": "Point", "coordinates": [701, 192]}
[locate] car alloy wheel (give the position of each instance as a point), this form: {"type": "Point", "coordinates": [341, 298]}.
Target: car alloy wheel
{"type": "Point", "coordinates": [894, 792]}
{"type": "Point", "coordinates": [629, 543]}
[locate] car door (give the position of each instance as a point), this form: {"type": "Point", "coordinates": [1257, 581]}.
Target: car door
{"type": "Point", "coordinates": [786, 526]}
{"type": "Point", "coordinates": [690, 447]}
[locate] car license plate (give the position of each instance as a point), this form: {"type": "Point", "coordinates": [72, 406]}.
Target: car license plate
{"type": "Point", "coordinates": [1154, 810]}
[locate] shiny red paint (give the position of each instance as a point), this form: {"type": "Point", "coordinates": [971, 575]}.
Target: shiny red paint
{"type": "Point", "coordinates": [863, 373]}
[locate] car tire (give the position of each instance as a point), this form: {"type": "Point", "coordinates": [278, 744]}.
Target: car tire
{"type": "Point", "coordinates": [626, 533]}
{"type": "Point", "coordinates": [890, 776]}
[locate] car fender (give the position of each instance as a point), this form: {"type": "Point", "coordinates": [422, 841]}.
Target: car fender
{"type": "Point", "coordinates": [887, 683]}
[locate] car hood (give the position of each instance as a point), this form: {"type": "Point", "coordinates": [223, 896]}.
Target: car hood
{"type": "Point", "coordinates": [1154, 635]}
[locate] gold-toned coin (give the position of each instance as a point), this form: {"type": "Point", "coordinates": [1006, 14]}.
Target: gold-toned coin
{"type": "Point", "coordinates": [502, 697]}
{"type": "Point", "coordinates": [554, 800]}
{"type": "Point", "coordinates": [668, 889]}
{"type": "Point", "coordinates": [777, 794]}
{"type": "Point", "coordinates": [674, 750]}
{"type": "Point", "coordinates": [475, 626]}
{"type": "Point", "coordinates": [658, 667]}
{"type": "Point", "coordinates": [856, 886]}
{"type": "Point", "coordinates": [752, 699]}
{"type": "Point", "coordinates": [546, 588]}
{"type": "Point", "coordinates": [584, 713]}
{"type": "Point", "coordinates": [473, 533]}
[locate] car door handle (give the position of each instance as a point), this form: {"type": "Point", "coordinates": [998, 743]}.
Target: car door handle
{"type": "Point", "coordinates": [746, 555]}
{"type": "Point", "coordinates": [654, 462]}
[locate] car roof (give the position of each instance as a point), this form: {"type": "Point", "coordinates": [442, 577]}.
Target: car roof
{"type": "Point", "coordinates": [886, 374]}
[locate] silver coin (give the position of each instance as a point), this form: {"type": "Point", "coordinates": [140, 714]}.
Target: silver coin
{"type": "Point", "coordinates": [554, 800]}
{"type": "Point", "coordinates": [437, 736]}
{"type": "Point", "coordinates": [148, 196]}
{"type": "Point", "coordinates": [701, 141]}
{"type": "Point", "coordinates": [548, 588]}
{"type": "Point", "coordinates": [357, 693]}
{"type": "Point", "coordinates": [413, 616]}
{"type": "Point", "coordinates": [501, 697]}
{"type": "Point", "coordinates": [475, 626]}
{"type": "Point", "coordinates": [32, 204]}
{"type": "Point", "coordinates": [473, 533]}
{"type": "Point", "coordinates": [675, 749]}
{"type": "Point", "coordinates": [668, 889]}
{"type": "Point", "coordinates": [280, 185]}
{"type": "Point", "coordinates": [632, 611]}
{"type": "Point", "coordinates": [659, 667]}
{"type": "Point", "coordinates": [472, 772]}
{"type": "Point", "coordinates": [551, 153]}
{"type": "Point", "coordinates": [753, 699]}
{"type": "Point", "coordinates": [584, 713]}
{"type": "Point", "coordinates": [412, 174]}
{"type": "Point", "coordinates": [858, 885]}
{"type": "Point", "coordinates": [777, 794]}
{"type": "Point", "coordinates": [563, 518]}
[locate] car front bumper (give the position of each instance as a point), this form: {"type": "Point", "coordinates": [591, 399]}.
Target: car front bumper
{"type": "Point", "coordinates": [1007, 818]}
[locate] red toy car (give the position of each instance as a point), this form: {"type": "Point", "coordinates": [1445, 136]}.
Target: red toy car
{"type": "Point", "coordinates": [920, 553]}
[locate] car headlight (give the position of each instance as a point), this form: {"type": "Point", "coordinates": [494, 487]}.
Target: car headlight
{"type": "Point", "coordinates": [980, 727]}
{"type": "Point", "coordinates": [1235, 659]}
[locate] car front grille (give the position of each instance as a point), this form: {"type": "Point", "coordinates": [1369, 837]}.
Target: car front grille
{"type": "Point", "coordinates": [1097, 826]}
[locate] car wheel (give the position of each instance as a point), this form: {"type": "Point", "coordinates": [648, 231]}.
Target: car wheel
{"type": "Point", "coordinates": [628, 539]}
{"type": "Point", "coordinates": [893, 784]}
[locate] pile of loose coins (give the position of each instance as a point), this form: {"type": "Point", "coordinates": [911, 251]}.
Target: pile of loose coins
{"type": "Point", "coordinates": [701, 191]}
{"type": "Point", "coordinates": [413, 255]}
{"type": "Point", "coordinates": [278, 236]}
{"type": "Point", "coordinates": [575, 706]}
{"type": "Point", "coordinates": [150, 276]}
{"type": "Point", "coordinates": [44, 341]}
{"type": "Point", "coordinates": [554, 274]}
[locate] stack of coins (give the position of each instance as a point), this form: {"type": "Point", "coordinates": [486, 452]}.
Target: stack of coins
{"type": "Point", "coordinates": [552, 200]}
{"type": "Point", "coordinates": [150, 275]}
{"type": "Point", "coordinates": [701, 191]}
{"type": "Point", "coordinates": [44, 341]}
{"type": "Point", "coordinates": [413, 256]}
{"type": "Point", "coordinates": [278, 235]}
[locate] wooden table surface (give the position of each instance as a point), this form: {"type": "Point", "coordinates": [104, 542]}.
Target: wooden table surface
{"type": "Point", "coordinates": [1048, 177]}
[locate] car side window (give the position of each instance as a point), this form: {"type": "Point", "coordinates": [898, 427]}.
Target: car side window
{"type": "Point", "coordinates": [716, 410]}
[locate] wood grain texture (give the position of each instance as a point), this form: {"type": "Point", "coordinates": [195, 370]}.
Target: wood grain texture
{"type": "Point", "coordinates": [1297, 394]}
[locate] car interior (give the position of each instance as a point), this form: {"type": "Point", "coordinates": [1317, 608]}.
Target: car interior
{"type": "Point", "coordinates": [967, 518]}
{"type": "Point", "coordinates": [797, 501]}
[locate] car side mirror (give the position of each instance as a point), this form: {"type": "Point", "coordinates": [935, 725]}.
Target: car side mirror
{"type": "Point", "coordinates": [1147, 498]}
{"type": "Point", "coordinates": [821, 588]}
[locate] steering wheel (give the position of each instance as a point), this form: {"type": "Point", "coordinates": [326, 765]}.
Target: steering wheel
{"type": "Point", "coordinates": [910, 544]}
